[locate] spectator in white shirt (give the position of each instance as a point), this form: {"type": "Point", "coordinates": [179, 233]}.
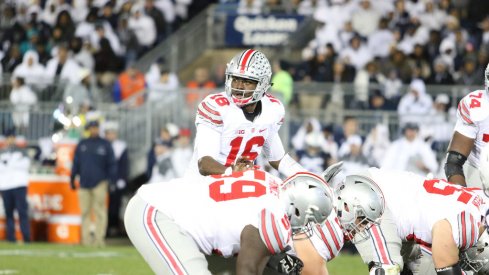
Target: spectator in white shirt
{"type": "Point", "coordinates": [307, 7]}
{"type": "Point", "coordinates": [14, 178]}
{"type": "Point", "coordinates": [144, 28]}
{"type": "Point", "coordinates": [31, 70]}
{"type": "Point", "coordinates": [82, 52]}
{"type": "Point", "coordinates": [432, 17]}
{"type": "Point", "coordinates": [415, 105]}
{"type": "Point", "coordinates": [62, 66]}
{"type": "Point", "coordinates": [410, 153]}
{"type": "Point", "coordinates": [311, 125]}
{"type": "Point", "coordinates": [162, 84]}
{"type": "Point", "coordinates": [366, 19]}
{"type": "Point", "coordinates": [22, 98]}
{"type": "Point", "coordinates": [250, 6]}
{"type": "Point", "coordinates": [356, 54]}
{"type": "Point", "coordinates": [376, 144]}
{"type": "Point", "coordinates": [381, 41]}
{"type": "Point", "coordinates": [182, 153]}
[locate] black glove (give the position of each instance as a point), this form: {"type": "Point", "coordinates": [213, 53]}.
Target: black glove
{"type": "Point", "coordinates": [285, 263]}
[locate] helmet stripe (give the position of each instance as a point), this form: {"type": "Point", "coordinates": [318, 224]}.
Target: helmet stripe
{"type": "Point", "coordinates": [246, 58]}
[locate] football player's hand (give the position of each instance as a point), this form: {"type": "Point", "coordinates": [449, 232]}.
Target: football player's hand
{"type": "Point", "coordinates": [242, 164]}
{"type": "Point", "coordinates": [285, 263]}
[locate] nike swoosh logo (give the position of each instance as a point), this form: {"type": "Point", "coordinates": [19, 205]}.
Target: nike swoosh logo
{"type": "Point", "coordinates": [262, 130]}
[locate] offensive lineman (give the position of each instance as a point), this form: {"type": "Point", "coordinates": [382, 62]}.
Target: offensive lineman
{"type": "Point", "coordinates": [235, 126]}
{"type": "Point", "coordinates": [359, 204]}
{"type": "Point", "coordinates": [442, 218]}
{"type": "Point", "coordinates": [471, 133]}
{"type": "Point", "coordinates": [173, 224]}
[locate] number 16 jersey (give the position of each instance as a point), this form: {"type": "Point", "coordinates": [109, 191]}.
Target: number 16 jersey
{"type": "Point", "coordinates": [224, 133]}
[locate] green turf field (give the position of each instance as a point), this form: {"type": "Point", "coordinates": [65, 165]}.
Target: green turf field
{"type": "Point", "coordinates": [50, 259]}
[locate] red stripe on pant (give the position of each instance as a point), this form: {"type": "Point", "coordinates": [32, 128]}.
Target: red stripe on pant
{"type": "Point", "coordinates": [161, 245]}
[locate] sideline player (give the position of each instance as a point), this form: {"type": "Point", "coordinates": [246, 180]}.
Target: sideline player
{"type": "Point", "coordinates": [235, 126]}
{"type": "Point", "coordinates": [443, 218]}
{"type": "Point", "coordinates": [173, 224]}
{"type": "Point", "coordinates": [470, 134]}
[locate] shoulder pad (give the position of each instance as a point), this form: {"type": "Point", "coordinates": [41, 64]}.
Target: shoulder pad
{"type": "Point", "coordinates": [274, 232]}
{"type": "Point", "coordinates": [211, 108]}
{"type": "Point", "coordinates": [274, 103]}
{"type": "Point", "coordinates": [270, 100]}
{"type": "Point", "coordinates": [474, 107]}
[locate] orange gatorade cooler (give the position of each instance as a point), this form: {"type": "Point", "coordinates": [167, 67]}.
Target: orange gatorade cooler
{"type": "Point", "coordinates": [51, 200]}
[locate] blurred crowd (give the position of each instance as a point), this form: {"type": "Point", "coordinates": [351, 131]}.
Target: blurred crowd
{"type": "Point", "coordinates": [412, 148]}
{"type": "Point", "coordinates": [42, 41]}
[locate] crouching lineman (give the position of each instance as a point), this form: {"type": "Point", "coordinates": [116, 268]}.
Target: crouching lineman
{"type": "Point", "coordinates": [359, 204]}
{"type": "Point", "coordinates": [442, 218]}
{"type": "Point", "coordinates": [174, 224]}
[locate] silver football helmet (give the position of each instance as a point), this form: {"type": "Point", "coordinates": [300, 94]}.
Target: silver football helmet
{"type": "Point", "coordinates": [308, 200]}
{"type": "Point", "coordinates": [476, 258]}
{"type": "Point", "coordinates": [359, 204]}
{"type": "Point", "coordinates": [250, 65]}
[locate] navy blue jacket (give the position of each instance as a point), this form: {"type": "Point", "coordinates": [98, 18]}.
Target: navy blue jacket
{"type": "Point", "coordinates": [94, 161]}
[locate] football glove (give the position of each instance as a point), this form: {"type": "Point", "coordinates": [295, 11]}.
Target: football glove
{"type": "Point", "coordinates": [285, 263]}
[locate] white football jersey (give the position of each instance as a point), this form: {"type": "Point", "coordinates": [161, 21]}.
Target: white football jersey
{"type": "Point", "coordinates": [328, 238]}
{"type": "Point", "coordinates": [417, 204]}
{"type": "Point", "coordinates": [473, 122]}
{"type": "Point", "coordinates": [236, 135]}
{"type": "Point", "coordinates": [213, 210]}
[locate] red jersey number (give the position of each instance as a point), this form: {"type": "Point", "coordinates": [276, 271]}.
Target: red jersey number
{"type": "Point", "coordinates": [220, 100]}
{"type": "Point", "coordinates": [247, 152]}
{"type": "Point", "coordinates": [446, 189]}
{"type": "Point", "coordinates": [474, 100]}
{"type": "Point", "coordinates": [254, 188]}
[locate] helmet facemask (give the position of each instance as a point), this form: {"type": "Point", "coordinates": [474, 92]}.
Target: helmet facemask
{"type": "Point", "coordinates": [359, 205]}
{"type": "Point", "coordinates": [355, 223]}
{"type": "Point", "coordinates": [476, 258]}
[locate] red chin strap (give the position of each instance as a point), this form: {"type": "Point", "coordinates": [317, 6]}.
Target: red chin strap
{"type": "Point", "coordinates": [240, 102]}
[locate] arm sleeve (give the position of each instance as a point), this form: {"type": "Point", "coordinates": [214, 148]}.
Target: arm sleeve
{"type": "Point", "coordinates": [328, 238]}
{"type": "Point", "coordinates": [465, 125]}
{"type": "Point", "coordinates": [208, 112]}
{"type": "Point", "coordinates": [274, 230]}
{"type": "Point", "coordinates": [207, 141]}
{"type": "Point", "coordinates": [273, 148]}
{"type": "Point", "coordinates": [465, 229]}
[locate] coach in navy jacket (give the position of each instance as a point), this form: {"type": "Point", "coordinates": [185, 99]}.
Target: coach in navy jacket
{"type": "Point", "coordinates": [95, 163]}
